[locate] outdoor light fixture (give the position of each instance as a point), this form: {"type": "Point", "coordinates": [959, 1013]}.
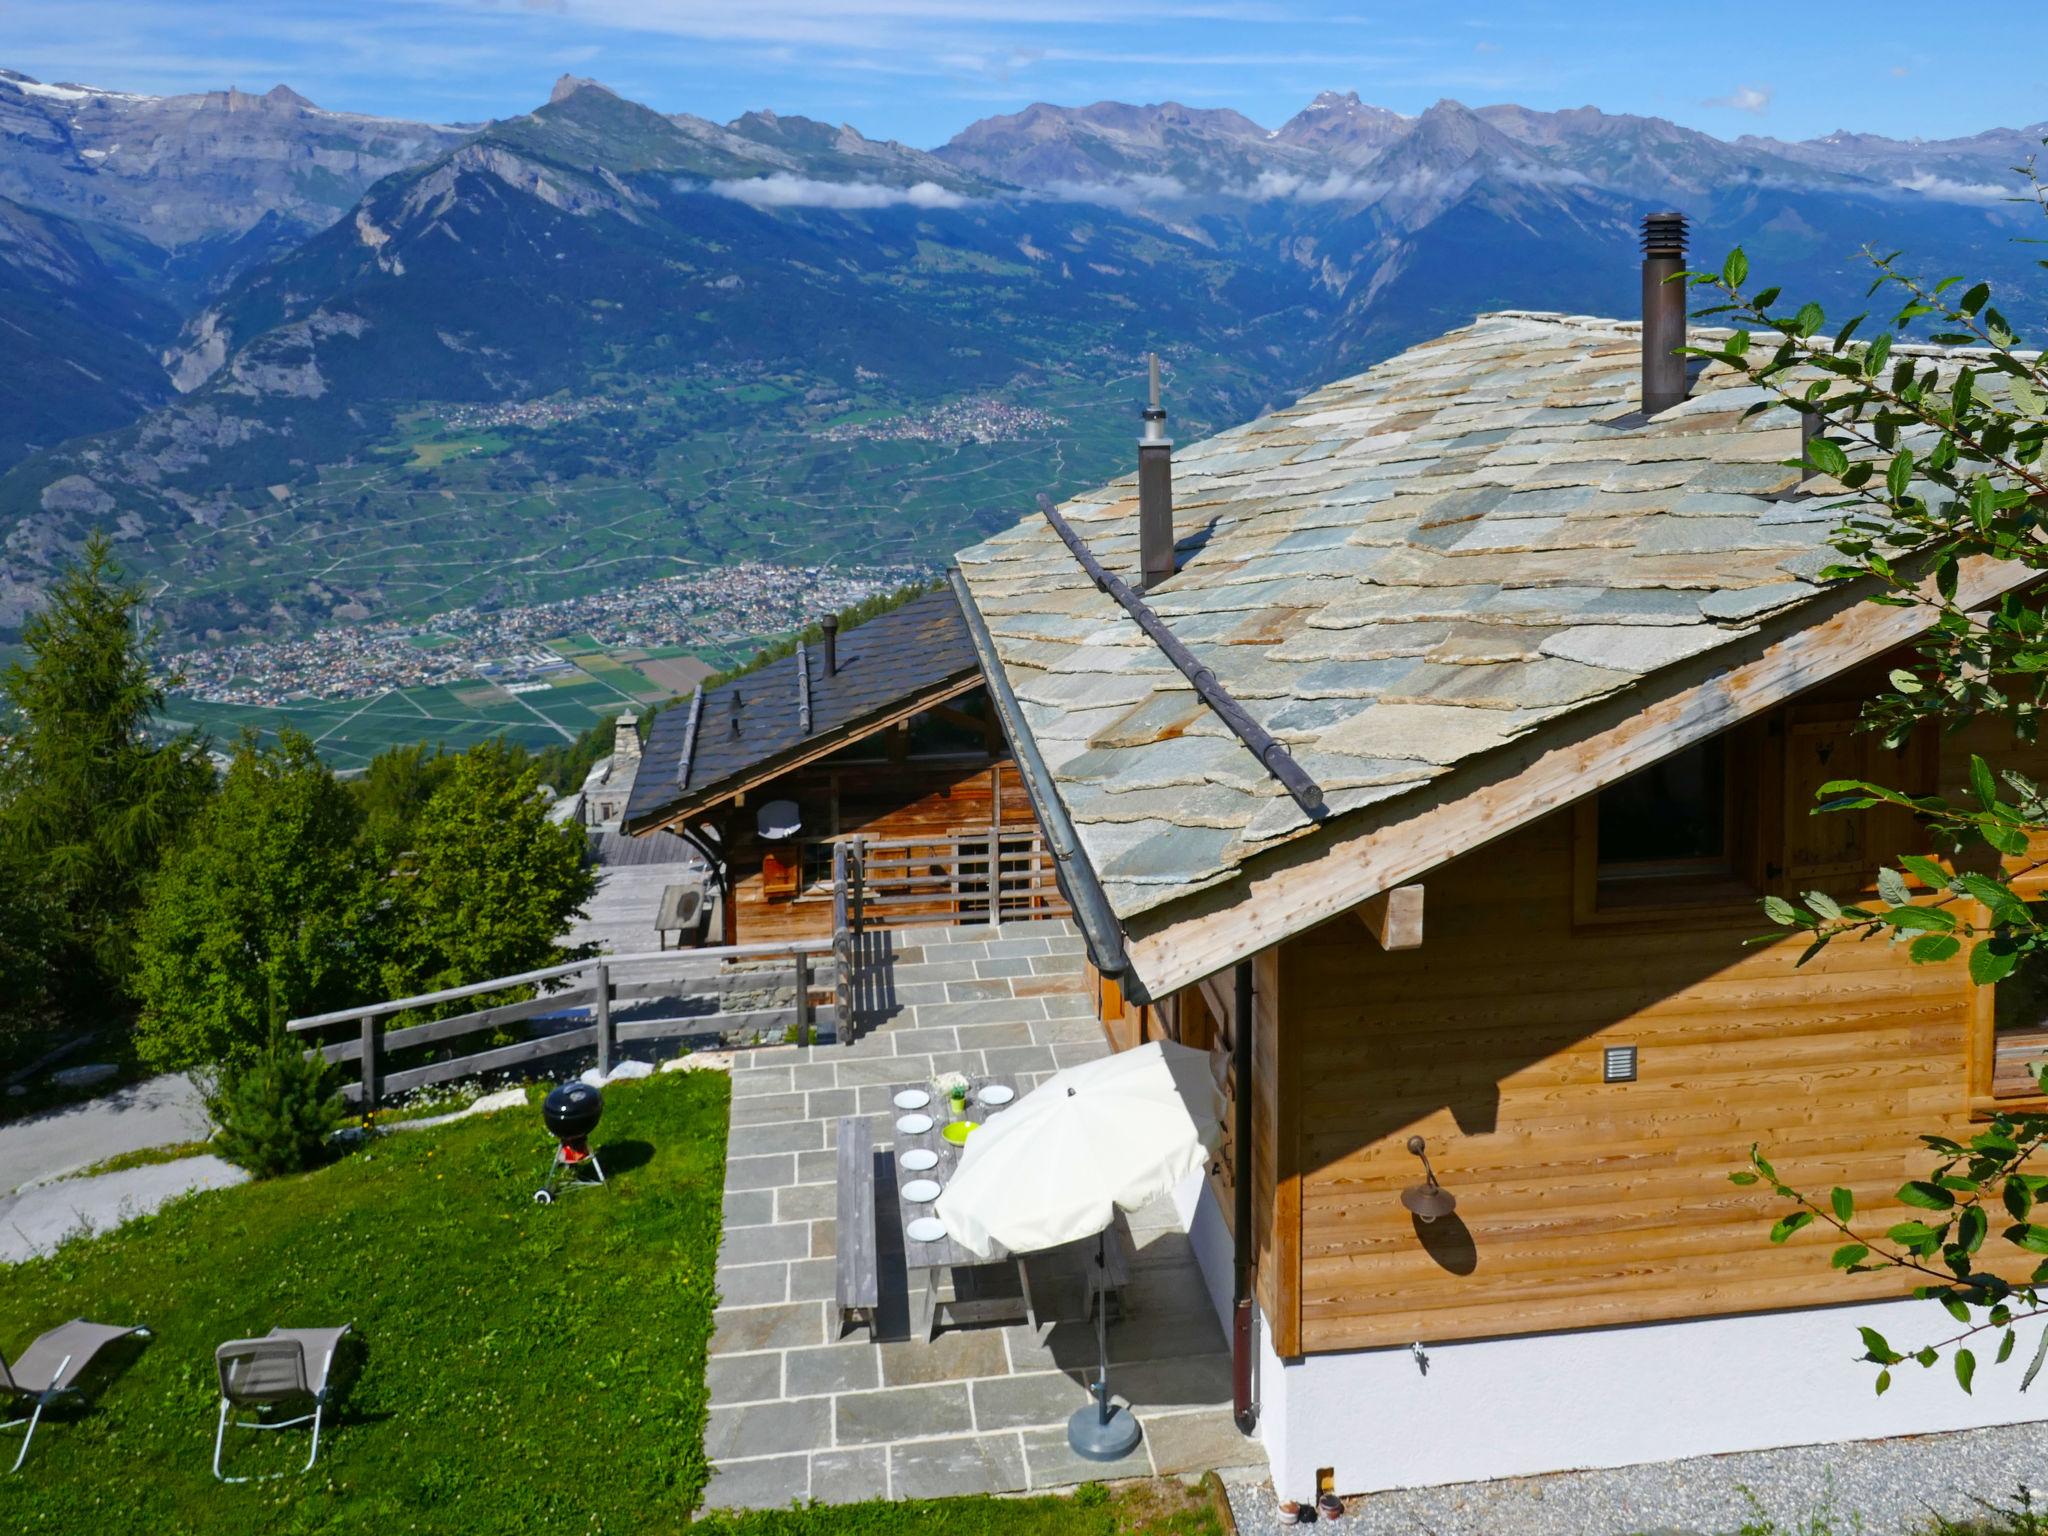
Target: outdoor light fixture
{"type": "Point", "coordinates": [1618, 1064]}
{"type": "Point", "coordinates": [1429, 1199]}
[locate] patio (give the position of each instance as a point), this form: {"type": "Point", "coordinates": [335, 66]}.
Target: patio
{"type": "Point", "coordinates": [796, 1412]}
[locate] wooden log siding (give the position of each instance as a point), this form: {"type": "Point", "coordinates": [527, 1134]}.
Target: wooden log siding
{"type": "Point", "coordinates": [1583, 1202]}
{"type": "Point", "coordinates": [588, 988]}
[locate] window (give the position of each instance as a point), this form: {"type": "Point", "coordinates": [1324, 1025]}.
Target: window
{"type": "Point", "coordinates": [2019, 1032]}
{"type": "Point", "coordinates": [1672, 818]}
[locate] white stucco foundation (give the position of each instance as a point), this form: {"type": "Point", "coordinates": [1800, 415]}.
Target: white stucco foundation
{"type": "Point", "coordinates": [1598, 1397]}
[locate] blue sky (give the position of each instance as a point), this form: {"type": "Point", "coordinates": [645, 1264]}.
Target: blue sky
{"type": "Point", "coordinates": [918, 70]}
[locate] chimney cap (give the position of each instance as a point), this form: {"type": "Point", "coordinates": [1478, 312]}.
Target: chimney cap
{"type": "Point", "coordinates": [1154, 435]}
{"type": "Point", "coordinates": [1664, 234]}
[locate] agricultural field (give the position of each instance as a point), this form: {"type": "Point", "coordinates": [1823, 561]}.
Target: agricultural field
{"type": "Point", "coordinates": [349, 732]}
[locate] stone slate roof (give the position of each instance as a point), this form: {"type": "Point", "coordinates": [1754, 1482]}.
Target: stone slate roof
{"type": "Point", "coordinates": [910, 652]}
{"type": "Point", "coordinates": [1398, 573]}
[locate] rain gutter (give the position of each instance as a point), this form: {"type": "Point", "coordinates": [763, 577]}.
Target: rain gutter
{"type": "Point", "coordinates": [1076, 878]}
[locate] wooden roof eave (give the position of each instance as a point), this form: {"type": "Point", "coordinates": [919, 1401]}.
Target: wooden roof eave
{"type": "Point", "coordinates": [1315, 878]}
{"type": "Point", "coordinates": [712, 796]}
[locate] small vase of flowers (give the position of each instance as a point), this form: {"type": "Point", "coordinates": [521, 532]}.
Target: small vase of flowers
{"type": "Point", "coordinates": [954, 1089]}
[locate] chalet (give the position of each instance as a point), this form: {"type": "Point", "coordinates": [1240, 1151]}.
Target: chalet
{"type": "Point", "coordinates": [880, 739]}
{"type": "Point", "coordinates": [1422, 750]}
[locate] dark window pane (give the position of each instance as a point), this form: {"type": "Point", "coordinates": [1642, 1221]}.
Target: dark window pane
{"type": "Point", "coordinates": [1675, 810]}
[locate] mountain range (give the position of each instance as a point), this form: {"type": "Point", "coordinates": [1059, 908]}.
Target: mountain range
{"type": "Point", "coordinates": [245, 329]}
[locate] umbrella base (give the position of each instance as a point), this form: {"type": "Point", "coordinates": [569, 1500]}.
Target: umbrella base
{"type": "Point", "coordinates": [1102, 1439]}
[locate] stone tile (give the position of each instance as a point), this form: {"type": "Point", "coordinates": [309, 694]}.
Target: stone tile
{"type": "Point", "coordinates": [825, 1239]}
{"type": "Point", "coordinates": [955, 951]}
{"type": "Point", "coordinates": [952, 1356]}
{"type": "Point", "coordinates": [766, 1108]}
{"type": "Point", "coordinates": [793, 1325]}
{"type": "Point", "coordinates": [806, 1202]}
{"type": "Point", "coordinates": [1059, 984]}
{"type": "Point", "coordinates": [931, 972]}
{"type": "Point", "coordinates": [1009, 949]}
{"type": "Point", "coordinates": [815, 1167]}
{"type": "Point", "coordinates": [1014, 1011]}
{"type": "Point", "coordinates": [913, 992]}
{"type": "Point", "coordinates": [1080, 1031]}
{"type": "Point", "coordinates": [744, 1378]}
{"type": "Point", "coordinates": [1016, 1402]}
{"type": "Point", "coordinates": [831, 1103]}
{"type": "Point", "coordinates": [910, 1042]}
{"type": "Point", "coordinates": [763, 1140]}
{"type": "Point", "coordinates": [782, 1240]}
{"type": "Point", "coordinates": [758, 1081]}
{"type": "Point", "coordinates": [982, 1037]}
{"type": "Point", "coordinates": [752, 1285]}
{"type": "Point", "coordinates": [1053, 1464]}
{"type": "Point", "coordinates": [1015, 965]}
{"type": "Point", "coordinates": [831, 1369]}
{"type": "Point", "coordinates": [899, 1070]}
{"type": "Point", "coordinates": [1075, 1055]}
{"type": "Point", "coordinates": [749, 1207]}
{"type": "Point", "coordinates": [866, 1418]}
{"type": "Point", "coordinates": [767, 1482]}
{"type": "Point", "coordinates": [758, 1172]}
{"type": "Point", "coordinates": [818, 1075]}
{"type": "Point", "coordinates": [768, 1429]}
{"type": "Point", "coordinates": [967, 1063]}
{"type": "Point", "coordinates": [850, 1477]}
{"type": "Point", "coordinates": [1187, 1382]}
{"type": "Point", "coordinates": [1060, 1006]}
{"type": "Point", "coordinates": [978, 991]}
{"type": "Point", "coordinates": [936, 1469]}
{"type": "Point", "coordinates": [1199, 1441]}
{"type": "Point", "coordinates": [1031, 1058]}
{"type": "Point", "coordinates": [814, 1280]}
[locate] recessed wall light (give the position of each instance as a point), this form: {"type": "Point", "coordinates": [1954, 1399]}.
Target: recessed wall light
{"type": "Point", "coordinates": [1619, 1064]}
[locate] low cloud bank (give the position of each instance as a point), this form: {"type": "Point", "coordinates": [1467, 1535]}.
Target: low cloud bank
{"type": "Point", "coordinates": [783, 190]}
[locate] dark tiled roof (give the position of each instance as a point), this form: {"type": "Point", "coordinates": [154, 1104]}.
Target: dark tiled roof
{"type": "Point", "coordinates": [910, 651]}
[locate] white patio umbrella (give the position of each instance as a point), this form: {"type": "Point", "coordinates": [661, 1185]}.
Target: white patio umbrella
{"type": "Point", "coordinates": [1056, 1167]}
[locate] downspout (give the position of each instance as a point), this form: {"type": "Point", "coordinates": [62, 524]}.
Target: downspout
{"type": "Point", "coordinates": [1077, 882]}
{"type": "Point", "coordinates": [1242, 1408]}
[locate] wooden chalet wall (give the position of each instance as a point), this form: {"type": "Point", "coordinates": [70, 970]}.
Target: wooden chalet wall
{"type": "Point", "coordinates": [1583, 1202]}
{"type": "Point", "coordinates": [848, 793]}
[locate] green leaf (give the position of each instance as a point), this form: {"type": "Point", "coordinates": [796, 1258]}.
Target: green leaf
{"type": "Point", "coordinates": [1746, 1177]}
{"type": "Point", "coordinates": [1933, 948]}
{"type": "Point", "coordinates": [1844, 1204]}
{"type": "Point", "coordinates": [2034, 1368]}
{"type": "Point", "coordinates": [1966, 1368]}
{"type": "Point", "coordinates": [1824, 904]}
{"type": "Point", "coordinates": [2018, 1201]}
{"type": "Point", "coordinates": [1899, 474]}
{"type": "Point", "coordinates": [1924, 869]}
{"type": "Point", "coordinates": [1779, 910]}
{"type": "Point", "coordinates": [2028, 1236]}
{"type": "Point", "coordinates": [1912, 1234]}
{"type": "Point", "coordinates": [1981, 782]}
{"type": "Point", "coordinates": [1884, 1380]}
{"type": "Point", "coordinates": [2005, 1346]}
{"type": "Point", "coordinates": [1785, 1226]}
{"type": "Point", "coordinates": [1848, 1254]}
{"type": "Point", "coordinates": [1973, 301]}
{"type": "Point", "coordinates": [1970, 1228]}
{"type": "Point", "coordinates": [1811, 317]}
{"type": "Point", "coordinates": [1891, 885]}
{"type": "Point", "coordinates": [1875, 1347]}
{"type": "Point", "coordinates": [1826, 457]}
{"type": "Point", "coordinates": [1735, 269]}
{"type": "Point", "coordinates": [1992, 961]}
{"type": "Point", "coordinates": [1926, 1196]}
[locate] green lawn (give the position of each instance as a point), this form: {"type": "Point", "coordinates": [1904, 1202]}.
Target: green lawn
{"type": "Point", "coordinates": [526, 1368]}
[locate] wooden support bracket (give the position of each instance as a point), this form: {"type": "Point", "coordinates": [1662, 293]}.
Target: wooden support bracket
{"type": "Point", "coordinates": [1394, 917]}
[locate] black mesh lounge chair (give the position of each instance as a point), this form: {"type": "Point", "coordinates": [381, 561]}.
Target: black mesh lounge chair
{"type": "Point", "coordinates": [49, 1369]}
{"type": "Point", "coordinates": [289, 1366]}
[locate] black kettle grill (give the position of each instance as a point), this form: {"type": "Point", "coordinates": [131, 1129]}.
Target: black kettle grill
{"type": "Point", "coordinates": [571, 1112]}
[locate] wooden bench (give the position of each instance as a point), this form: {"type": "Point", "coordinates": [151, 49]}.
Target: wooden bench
{"type": "Point", "coordinates": [1109, 1282]}
{"type": "Point", "coordinates": [859, 1275]}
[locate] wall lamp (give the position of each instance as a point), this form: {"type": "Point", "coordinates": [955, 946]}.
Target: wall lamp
{"type": "Point", "coordinates": [1429, 1199]}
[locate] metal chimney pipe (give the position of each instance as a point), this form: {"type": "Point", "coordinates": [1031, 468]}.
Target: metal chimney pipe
{"type": "Point", "coordinates": [830, 624]}
{"type": "Point", "coordinates": [1663, 311]}
{"type": "Point", "coordinates": [1155, 493]}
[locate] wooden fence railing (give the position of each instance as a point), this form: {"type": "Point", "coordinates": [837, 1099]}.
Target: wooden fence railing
{"type": "Point", "coordinates": [577, 1014]}
{"type": "Point", "coordinates": [954, 877]}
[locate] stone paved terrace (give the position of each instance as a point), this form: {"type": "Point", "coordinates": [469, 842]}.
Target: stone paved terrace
{"type": "Point", "coordinates": [799, 1413]}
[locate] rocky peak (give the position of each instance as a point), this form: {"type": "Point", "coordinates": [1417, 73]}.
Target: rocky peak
{"type": "Point", "coordinates": [285, 96]}
{"type": "Point", "coordinates": [569, 85]}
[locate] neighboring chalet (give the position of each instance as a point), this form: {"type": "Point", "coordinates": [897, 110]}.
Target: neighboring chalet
{"type": "Point", "coordinates": [881, 737]}
{"type": "Point", "coordinates": [1550, 683]}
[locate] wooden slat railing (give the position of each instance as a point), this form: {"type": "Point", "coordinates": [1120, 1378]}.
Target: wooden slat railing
{"type": "Point", "coordinates": [948, 878]}
{"type": "Point", "coordinates": [587, 990]}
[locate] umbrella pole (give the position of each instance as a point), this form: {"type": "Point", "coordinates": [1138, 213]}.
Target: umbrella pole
{"type": "Point", "coordinates": [1101, 1432]}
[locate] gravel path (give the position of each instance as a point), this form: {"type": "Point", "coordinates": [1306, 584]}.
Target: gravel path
{"type": "Point", "coordinates": [1862, 1488]}
{"type": "Point", "coordinates": [37, 1219]}
{"type": "Point", "coordinates": [155, 1113]}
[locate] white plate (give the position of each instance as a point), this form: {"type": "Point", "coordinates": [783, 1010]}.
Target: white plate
{"type": "Point", "coordinates": [995, 1094]}
{"type": "Point", "coordinates": [912, 1098]}
{"type": "Point", "coordinates": [926, 1229]}
{"type": "Point", "coordinates": [922, 1191]}
{"type": "Point", "coordinates": [913, 1125]}
{"type": "Point", "coordinates": [917, 1159]}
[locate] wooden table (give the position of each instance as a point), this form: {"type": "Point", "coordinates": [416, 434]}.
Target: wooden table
{"type": "Point", "coordinates": [946, 1254]}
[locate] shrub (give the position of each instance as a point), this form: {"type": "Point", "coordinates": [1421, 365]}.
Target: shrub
{"type": "Point", "coordinates": [275, 1113]}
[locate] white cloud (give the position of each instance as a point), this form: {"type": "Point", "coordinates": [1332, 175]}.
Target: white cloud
{"type": "Point", "coordinates": [1949, 190]}
{"type": "Point", "coordinates": [783, 190]}
{"type": "Point", "coordinates": [1755, 99]}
